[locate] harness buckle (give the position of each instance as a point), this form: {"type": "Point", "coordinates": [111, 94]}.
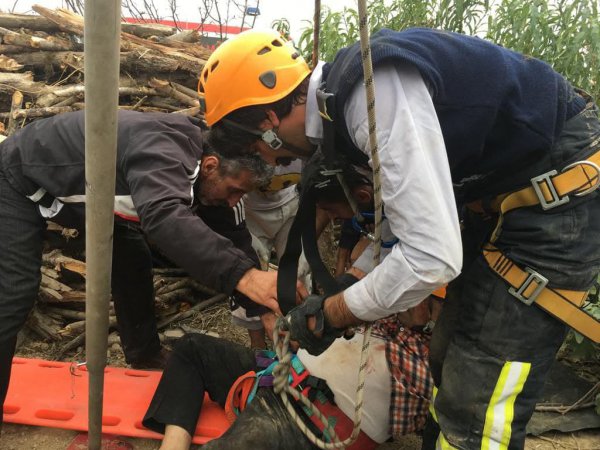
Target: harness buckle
{"type": "Point", "coordinates": [533, 276]}
{"type": "Point", "coordinates": [322, 98]}
{"type": "Point", "coordinates": [595, 180]}
{"type": "Point", "coordinates": [556, 199]}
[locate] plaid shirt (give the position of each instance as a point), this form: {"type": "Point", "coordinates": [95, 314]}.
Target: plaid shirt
{"type": "Point", "coordinates": [407, 354]}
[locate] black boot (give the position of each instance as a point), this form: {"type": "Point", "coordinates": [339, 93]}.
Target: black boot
{"type": "Point", "coordinates": [265, 424]}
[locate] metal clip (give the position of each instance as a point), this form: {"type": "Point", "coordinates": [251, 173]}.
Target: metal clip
{"type": "Point", "coordinates": [322, 98]}
{"type": "Point", "coordinates": [556, 199]}
{"type": "Point", "coordinates": [271, 139]}
{"type": "Point", "coordinates": [534, 276]}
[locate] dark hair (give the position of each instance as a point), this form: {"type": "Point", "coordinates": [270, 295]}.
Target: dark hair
{"type": "Point", "coordinates": [233, 165]}
{"type": "Point", "coordinates": [230, 139]}
{"type": "Point", "coordinates": [319, 176]}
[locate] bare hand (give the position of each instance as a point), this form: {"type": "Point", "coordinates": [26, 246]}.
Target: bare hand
{"type": "Point", "coordinates": [261, 288]}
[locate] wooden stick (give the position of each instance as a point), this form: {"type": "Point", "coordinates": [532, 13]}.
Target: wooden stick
{"type": "Point", "coordinates": [194, 309]}
{"type": "Point", "coordinates": [17, 102]}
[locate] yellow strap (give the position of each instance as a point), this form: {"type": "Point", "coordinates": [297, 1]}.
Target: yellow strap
{"type": "Point", "coordinates": [561, 303]}
{"type": "Point", "coordinates": [582, 176]}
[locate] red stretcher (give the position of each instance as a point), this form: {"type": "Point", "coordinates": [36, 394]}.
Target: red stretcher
{"type": "Point", "coordinates": [55, 394]}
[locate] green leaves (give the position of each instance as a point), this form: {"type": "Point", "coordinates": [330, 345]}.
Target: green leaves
{"type": "Point", "coordinates": [564, 33]}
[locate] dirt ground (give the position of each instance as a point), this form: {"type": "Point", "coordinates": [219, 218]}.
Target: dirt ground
{"type": "Point", "coordinates": [21, 437]}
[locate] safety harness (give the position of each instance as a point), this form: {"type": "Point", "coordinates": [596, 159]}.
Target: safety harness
{"type": "Point", "coordinates": [243, 391]}
{"type": "Point", "coordinates": [549, 190]}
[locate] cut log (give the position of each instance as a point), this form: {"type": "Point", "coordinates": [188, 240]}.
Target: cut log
{"type": "Point", "coordinates": [10, 49]}
{"type": "Point", "coordinates": [46, 327]}
{"type": "Point", "coordinates": [54, 284]}
{"type": "Point", "coordinates": [8, 64]}
{"type": "Point", "coordinates": [59, 261]}
{"type": "Point", "coordinates": [32, 22]}
{"type": "Point", "coordinates": [17, 102]}
{"type": "Point", "coordinates": [146, 30]}
{"type": "Point", "coordinates": [35, 113]}
{"type": "Point", "coordinates": [10, 82]}
{"type": "Point", "coordinates": [194, 309]}
{"type": "Point", "coordinates": [165, 88]}
{"type": "Point", "coordinates": [52, 43]}
{"type": "Point", "coordinates": [190, 36]}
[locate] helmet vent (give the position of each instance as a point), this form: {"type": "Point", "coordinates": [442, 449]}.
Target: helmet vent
{"type": "Point", "coordinates": [277, 43]}
{"type": "Point", "coordinates": [214, 66]}
{"type": "Point", "coordinates": [268, 79]}
{"type": "Point", "coordinates": [264, 50]}
{"type": "Point", "coordinates": [201, 88]}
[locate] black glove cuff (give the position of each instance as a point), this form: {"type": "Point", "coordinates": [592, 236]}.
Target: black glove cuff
{"type": "Point", "coordinates": [345, 280]}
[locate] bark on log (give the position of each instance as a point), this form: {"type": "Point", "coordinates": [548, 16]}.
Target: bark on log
{"type": "Point", "coordinates": [64, 19]}
{"type": "Point", "coordinates": [194, 309]}
{"type": "Point", "coordinates": [66, 313]}
{"type": "Point", "coordinates": [133, 61]}
{"type": "Point", "coordinates": [53, 96]}
{"type": "Point", "coordinates": [10, 82]}
{"type": "Point", "coordinates": [195, 111]}
{"type": "Point", "coordinates": [44, 326]}
{"type": "Point", "coordinates": [166, 89]}
{"type": "Point", "coordinates": [60, 261]}
{"type": "Point", "coordinates": [190, 36]}
{"type": "Point", "coordinates": [146, 30]}
{"type": "Point", "coordinates": [32, 22]}
{"type": "Point", "coordinates": [55, 284]}
{"type": "Point", "coordinates": [32, 113]}
{"type": "Point", "coordinates": [53, 43]}
{"type": "Point", "coordinates": [10, 49]}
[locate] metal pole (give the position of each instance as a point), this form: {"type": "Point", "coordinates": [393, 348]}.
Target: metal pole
{"type": "Point", "coordinates": [101, 45]}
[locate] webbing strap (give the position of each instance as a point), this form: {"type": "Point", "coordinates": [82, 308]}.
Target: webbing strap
{"type": "Point", "coordinates": [549, 190]}
{"type": "Point", "coordinates": [577, 178]}
{"type": "Point", "coordinates": [530, 287]}
{"type": "Point", "coordinates": [302, 235]}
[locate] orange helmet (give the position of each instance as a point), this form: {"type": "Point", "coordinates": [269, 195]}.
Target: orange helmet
{"type": "Point", "coordinates": [252, 68]}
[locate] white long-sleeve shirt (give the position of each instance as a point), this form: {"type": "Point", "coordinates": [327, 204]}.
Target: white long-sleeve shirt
{"type": "Point", "coordinates": [416, 189]}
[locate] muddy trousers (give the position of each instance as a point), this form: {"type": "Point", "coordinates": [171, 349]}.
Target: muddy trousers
{"type": "Point", "coordinates": [203, 364]}
{"type": "Point", "coordinates": [21, 239]}
{"type": "Point", "coordinates": [490, 353]}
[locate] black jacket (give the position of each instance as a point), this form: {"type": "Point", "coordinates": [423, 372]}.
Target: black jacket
{"type": "Point", "coordinates": [157, 165]}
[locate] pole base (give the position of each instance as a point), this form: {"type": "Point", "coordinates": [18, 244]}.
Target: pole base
{"type": "Point", "coordinates": [109, 442]}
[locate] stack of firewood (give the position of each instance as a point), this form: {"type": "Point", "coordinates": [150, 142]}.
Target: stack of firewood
{"type": "Point", "coordinates": [59, 315]}
{"type": "Point", "coordinates": [41, 67]}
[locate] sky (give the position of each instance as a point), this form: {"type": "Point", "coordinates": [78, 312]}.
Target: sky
{"type": "Point", "coordinates": [296, 11]}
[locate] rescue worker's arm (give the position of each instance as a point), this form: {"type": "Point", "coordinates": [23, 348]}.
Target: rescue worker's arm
{"type": "Point", "coordinates": [418, 196]}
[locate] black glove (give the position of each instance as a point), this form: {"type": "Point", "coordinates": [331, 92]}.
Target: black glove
{"type": "Point", "coordinates": [296, 323]}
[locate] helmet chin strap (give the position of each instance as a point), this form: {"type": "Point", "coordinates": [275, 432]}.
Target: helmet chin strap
{"type": "Point", "coordinates": [269, 137]}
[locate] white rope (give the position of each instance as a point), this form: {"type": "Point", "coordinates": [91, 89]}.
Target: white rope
{"type": "Point", "coordinates": [281, 371]}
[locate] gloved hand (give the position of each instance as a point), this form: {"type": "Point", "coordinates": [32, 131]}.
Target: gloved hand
{"type": "Point", "coordinates": [296, 323]}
